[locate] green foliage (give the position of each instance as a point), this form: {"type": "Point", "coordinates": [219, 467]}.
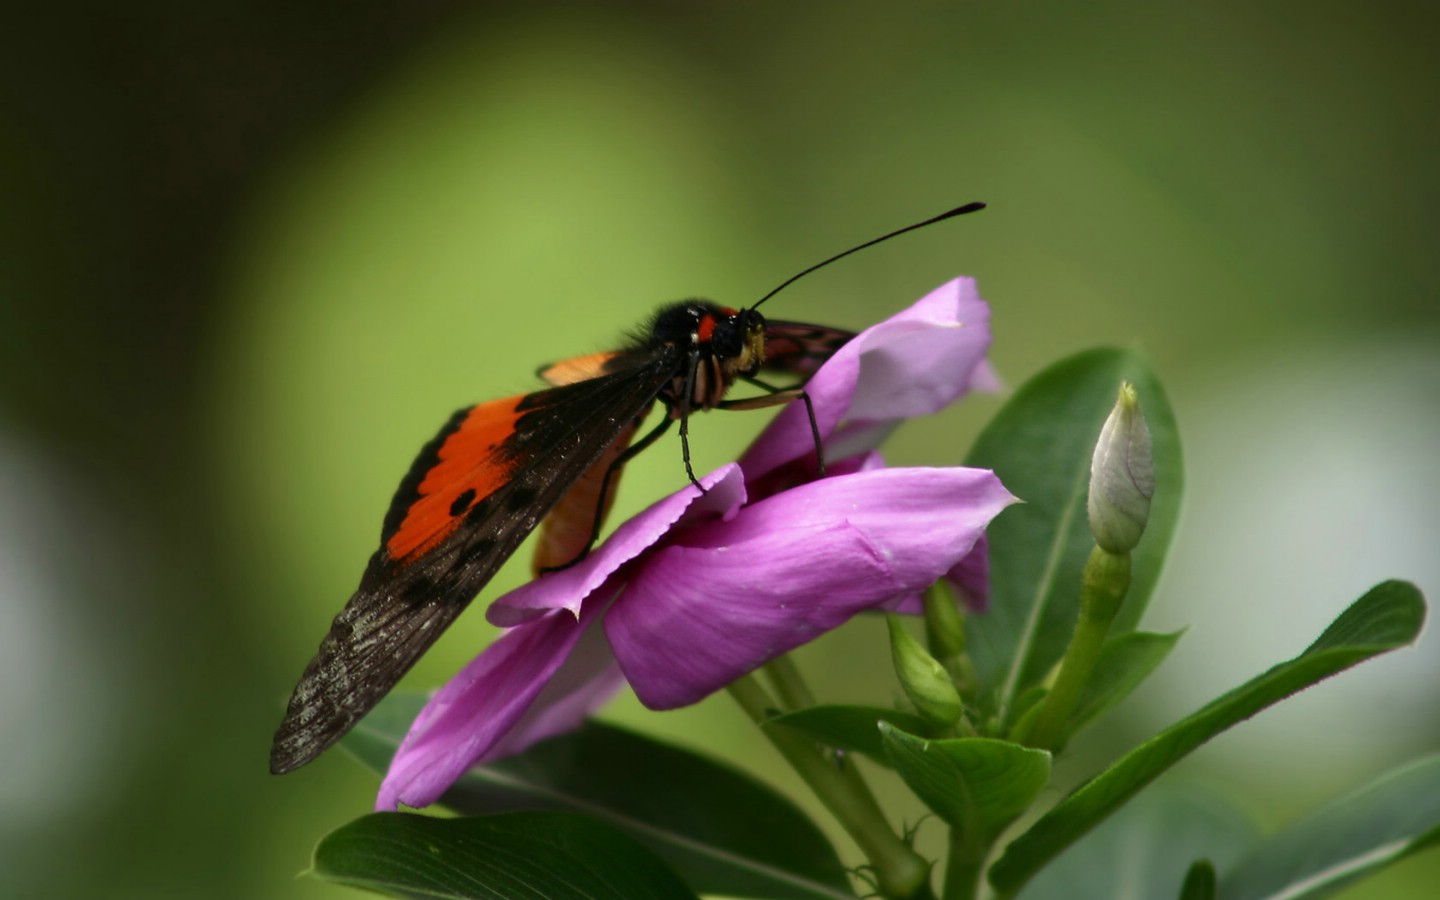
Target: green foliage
{"type": "Point", "coordinates": [1379, 824]}
{"type": "Point", "coordinates": [523, 854]}
{"type": "Point", "coordinates": [1147, 847]}
{"type": "Point", "coordinates": [977, 785]}
{"type": "Point", "coordinates": [851, 728]}
{"type": "Point", "coordinates": [724, 832]}
{"type": "Point", "coordinates": [1199, 881]}
{"type": "Point", "coordinates": [1124, 663]}
{"type": "Point", "coordinates": [1040, 444]}
{"type": "Point", "coordinates": [1387, 617]}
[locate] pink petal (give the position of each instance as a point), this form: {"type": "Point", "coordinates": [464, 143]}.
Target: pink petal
{"type": "Point", "coordinates": [471, 718]}
{"type": "Point", "coordinates": [913, 363]}
{"type": "Point", "coordinates": [803, 471]}
{"type": "Point", "coordinates": [589, 677]}
{"type": "Point", "coordinates": [568, 588]}
{"type": "Point", "coordinates": [922, 359]}
{"type": "Point", "coordinates": [971, 577]}
{"type": "Point", "coordinates": [726, 597]}
{"type": "Point", "coordinates": [908, 605]}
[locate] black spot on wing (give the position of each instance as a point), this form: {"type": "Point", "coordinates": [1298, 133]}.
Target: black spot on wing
{"type": "Point", "coordinates": [462, 502]}
{"type": "Point", "coordinates": [521, 497]}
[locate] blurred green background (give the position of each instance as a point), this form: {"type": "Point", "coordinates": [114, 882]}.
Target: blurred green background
{"type": "Point", "coordinates": [253, 254]}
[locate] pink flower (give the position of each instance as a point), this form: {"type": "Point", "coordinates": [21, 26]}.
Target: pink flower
{"type": "Point", "coordinates": [700, 589]}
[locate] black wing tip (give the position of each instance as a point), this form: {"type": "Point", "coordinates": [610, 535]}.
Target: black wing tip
{"type": "Point", "coordinates": [298, 744]}
{"type": "Point", "coordinates": [293, 748]}
{"type": "Point", "coordinates": [311, 726]}
{"type": "Point", "coordinates": [282, 762]}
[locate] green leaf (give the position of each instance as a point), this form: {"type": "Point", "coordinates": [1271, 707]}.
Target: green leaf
{"type": "Point", "coordinates": [377, 737]}
{"type": "Point", "coordinates": [721, 830]}
{"type": "Point", "coordinates": [850, 728]}
{"type": "Point", "coordinates": [1380, 824]}
{"type": "Point", "coordinates": [1199, 881]}
{"type": "Point", "coordinates": [1040, 445]}
{"type": "Point", "coordinates": [1145, 849]}
{"type": "Point", "coordinates": [977, 785]}
{"type": "Point", "coordinates": [1387, 617]}
{"type": "Point", "coordinates": [1124, 662]}
{"type": "Point", "coordinates": [533, 854]}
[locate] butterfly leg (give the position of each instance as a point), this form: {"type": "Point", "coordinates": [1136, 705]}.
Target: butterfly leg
{"type": "Point", "coordinates": [778, 396]}
{"type": "Point", "coordinates": [692, 366]}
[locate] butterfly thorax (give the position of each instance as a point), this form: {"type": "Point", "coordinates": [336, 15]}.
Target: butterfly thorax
{"type": "Point", "coordinates": [715, 346]}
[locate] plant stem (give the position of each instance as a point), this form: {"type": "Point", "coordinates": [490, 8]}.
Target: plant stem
{"type": "Point", "coordinates": [789, 684]}
{"type": "Point", "coordinates": [899, 870]}
{"type": "Point", "coordinates": [1105, 581]}
{"type": "Point", "coordinates": [962, 868]}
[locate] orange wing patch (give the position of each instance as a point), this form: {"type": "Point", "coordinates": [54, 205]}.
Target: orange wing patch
{"type": "Point", "coordinates": [577, 368]}
{"type": "Point", "coordinates": [565, 534]}
{"type": "Point", "coordinates": [468, 468]}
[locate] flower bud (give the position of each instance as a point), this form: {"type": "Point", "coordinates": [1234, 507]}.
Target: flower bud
{"type": "Point", "coordinates": [925, 681]}
{"type": "Point", "coordinates": [944, 624]}
{"type": "Point", "coordinates": [1122, 476]}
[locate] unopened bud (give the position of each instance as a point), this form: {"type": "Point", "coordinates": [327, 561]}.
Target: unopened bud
{"type": "Point", "coordinates": [944, 624]}
{"type": "Point", "coordinates": [1122, 477]}
{"type": "Point", "coordinates": [925, 681]}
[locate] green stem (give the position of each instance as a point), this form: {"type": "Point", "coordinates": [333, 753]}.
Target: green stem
{"type": "Point", "coordinates": [963, 868]}
{"type": "Point", "coordinates": [900, 872]}
{"type": "Point", "coordinates": [1105, 581]}
{"type": "Point", "coordinates": [789, 684]}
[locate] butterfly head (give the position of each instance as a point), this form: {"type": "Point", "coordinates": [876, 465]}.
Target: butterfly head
{"type": "Point", "coordinates": [737, 341]}
{"type": "Point", "coordinates": [718, 344]}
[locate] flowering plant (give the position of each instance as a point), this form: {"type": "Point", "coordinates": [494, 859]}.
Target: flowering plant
{"type": "Point", "coordinates": [710, 589]}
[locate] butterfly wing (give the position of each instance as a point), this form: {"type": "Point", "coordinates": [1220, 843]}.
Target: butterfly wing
{"type": "Point", "coordinates": [580, 368]}
{"type": "Point", "coordinates": [474, 493]}
{"type": "Point", "coordinates": [799, 348]}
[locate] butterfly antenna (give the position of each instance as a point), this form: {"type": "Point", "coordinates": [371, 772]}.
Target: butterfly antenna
{"type": "Point", "coordinates": [957, 211]}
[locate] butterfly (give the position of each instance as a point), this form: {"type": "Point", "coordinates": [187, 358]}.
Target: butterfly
{"type": "Point", "coordinates": [496, 470]}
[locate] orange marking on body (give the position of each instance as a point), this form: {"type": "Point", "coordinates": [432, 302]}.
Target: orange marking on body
{"type": "Point", "coordinates": [566, 531]}
{"type": "Point", "coordinates": [468, 461]}
{"type": "Point", "coordinates": [576, 369]}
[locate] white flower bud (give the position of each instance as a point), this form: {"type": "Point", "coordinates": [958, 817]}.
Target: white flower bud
{"type": "Point", "coordinates": [1122, 477]}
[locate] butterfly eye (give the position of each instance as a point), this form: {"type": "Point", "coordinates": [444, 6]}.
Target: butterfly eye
{"type": "Point", "coordinates": [752, 322]}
